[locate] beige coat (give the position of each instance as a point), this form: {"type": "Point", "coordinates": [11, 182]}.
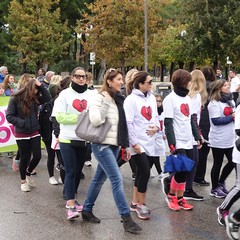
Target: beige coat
{"type": "Point", "coordinates": [102, 108]}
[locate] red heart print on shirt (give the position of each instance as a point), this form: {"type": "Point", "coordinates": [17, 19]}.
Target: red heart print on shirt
{"type": "Point", "coordinates": [147, 112]}
{"type": "Point", "coordinates": [227, 111]}
{"type": "Point", "coordinates": [80, 105]}
{"type": "Point", "coordinates": [184, 108]}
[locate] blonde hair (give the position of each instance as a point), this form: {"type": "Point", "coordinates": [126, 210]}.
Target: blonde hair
{"type": "Point", "coordinates": [56, 79]}
{"type": "Point", "coordinates": [129, 80]}
{"type": "Point", "coordinates": [198, 85]}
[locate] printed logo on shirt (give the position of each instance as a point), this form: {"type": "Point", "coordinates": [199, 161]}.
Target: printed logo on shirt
{"type": "Point", "coordinates": [80, 105]}
{"type": "Point", "coordinates": [184, 108]}
{"type": "Point", "coordinates": [147, 112]}
{"type": "Point", "coordinates": [161, 125]}
{"type": "Point", "coordinates": [227, 111]}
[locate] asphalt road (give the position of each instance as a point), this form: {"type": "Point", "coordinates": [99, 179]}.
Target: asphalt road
{"type": "Point", "coordinates": [41, 214]}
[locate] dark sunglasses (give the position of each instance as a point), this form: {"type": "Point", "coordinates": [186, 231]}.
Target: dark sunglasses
{"type": "Point", "coordinates": [77, 76]}
{"type": "Point", "coordinates": [149, 82]}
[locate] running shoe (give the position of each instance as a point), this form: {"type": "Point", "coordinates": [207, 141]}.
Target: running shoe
{"type": "Point", "coordinates": [143, 212]}
{"type": "Point", "coordinates": [221, 216]}
{"type": "Point", "coordinates": [72, 213]}
{"type": "Point", "coordinates": [184, 204]}
{"type": "Point", "coordinates": [173, 203]}
{"type": "Point", "coordinates": [232, 227]}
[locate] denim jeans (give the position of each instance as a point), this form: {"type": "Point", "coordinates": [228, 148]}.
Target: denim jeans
{"type": "Point", "coordinates": [73, 159]}
{"type": "Point", "coordinates": [106, 156]}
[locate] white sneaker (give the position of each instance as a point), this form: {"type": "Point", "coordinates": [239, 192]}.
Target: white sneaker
{"type": "Point", "coordinates": [88, 163]}
{"type": "Point", "coordinates": [162, 175]}
{"type": "Point", "coordinates": [25, 187]}
{"type": "Point", "coordinates": [30, 181]}
{"type": "Point", "coordinates": [53, 181]}
{"type": "Point", "coordinates": [60, 180]}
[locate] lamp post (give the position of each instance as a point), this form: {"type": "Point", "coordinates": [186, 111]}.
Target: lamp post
{"type": "Point", "coordinates": [145, 36]}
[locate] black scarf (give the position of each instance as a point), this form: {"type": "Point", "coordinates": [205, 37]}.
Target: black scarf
{"type": "Point", "coordinates": [79, 88]}
{"type": "Point", "coordinates": [227, 98]}
{"type": "Point", "coordinates": [122, 134]}
{"type": "Point", "coordinates": [180, 91]}
{"type": "Point", "coordinates": [160, 110]}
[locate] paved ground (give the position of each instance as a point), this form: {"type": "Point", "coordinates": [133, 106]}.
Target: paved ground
{"type": "Point", "coordinates": [40, 214]}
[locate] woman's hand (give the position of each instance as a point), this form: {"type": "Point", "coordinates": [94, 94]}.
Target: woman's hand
{"type": "Point", "coordinates": [127, 154]}
{"type": "Point", "coordinates": [152, 130]}
{"type": "Point", "coordinates": [38, 83]}
{"type": "Point", "coordinates": [137, 148]}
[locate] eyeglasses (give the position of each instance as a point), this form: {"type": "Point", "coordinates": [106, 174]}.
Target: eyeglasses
{"type": "Point", "coordinates": [77, 76]}
{"type": "Point", "coordinates": [149, 82]}
{"type": "Point", "coordinates": [159, 101]}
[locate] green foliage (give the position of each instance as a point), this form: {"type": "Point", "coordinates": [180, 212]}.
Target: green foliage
{"type": "Point", "coordinates": [38, 34]}
{"type": "Point", "coordinates": [118, 30]}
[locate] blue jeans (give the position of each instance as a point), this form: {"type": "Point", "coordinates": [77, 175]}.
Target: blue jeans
{"type": "Point", "coordinates": [73, 159]}
{"type": "Point", "coordinates": [106, 156]}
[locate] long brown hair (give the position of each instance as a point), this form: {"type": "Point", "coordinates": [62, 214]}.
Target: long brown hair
{"type": "Point", "coordinates": [216, 88]}
{"type": "Point", "coordinates": [110, 74]}
{"type": "Point", "coordinates": [6, 81]}
{"type": "Point", "coordinates": [27, 96]}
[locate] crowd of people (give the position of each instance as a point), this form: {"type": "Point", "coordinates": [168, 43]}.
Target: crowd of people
{"type": "Point", "coordinates": [201, 113]}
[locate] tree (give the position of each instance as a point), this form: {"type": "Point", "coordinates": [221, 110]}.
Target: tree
{"type": "Point", "coordinates": [117, 32]}
{"type": "Point", "coordinates": [213, 28]}
{"type": "Point", "coordinates": [4, 36]}
{"type": "Point", "coordinates": [38, 34]}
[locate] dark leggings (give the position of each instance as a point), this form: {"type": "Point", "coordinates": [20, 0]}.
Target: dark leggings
{"type": "Point", "coordinates": [142, 172]}
{"type": "Point", "coordinates": [202, 163]}
{"type": "Point", "coordinates": [156, 162]}
{"type": "Point", "coordinates": [17, 155]}
{"type": "Point", "coordinates": [191, 175]}
{"type": "Point", "coordinates": [50, 158]}
{"type": "Point", "coordinates": [218, 155]}
{"type": "Point", "coordinates": [28, 147]}
{"type": "Point", "coordinates": [60, 160]}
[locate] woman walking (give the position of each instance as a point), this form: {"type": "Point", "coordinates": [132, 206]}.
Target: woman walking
{"type": "Point", "coordinates": [143, 124]}
{"type": "Point", "coordinates": [22, 112]}
{"type": "Point", "coordinates": [221, 135]}
{"type": "Point", "coordinates": [69, 104]}
{"type": "Point", "coordinates": [109, 105]}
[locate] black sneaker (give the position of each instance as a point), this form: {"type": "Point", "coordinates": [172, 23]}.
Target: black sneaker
{"type": "Point", "coordinates": [89, 216]}
{"type": "Point", "coordinates": [202, 183]}
{"type": "Point", "coordinates": [165, 185]}
{"type": "Point", "coordinates": [191, 195]}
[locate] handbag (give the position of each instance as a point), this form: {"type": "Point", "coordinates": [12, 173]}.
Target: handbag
{"type": "Point", "coordinates": [85, 130]}
{"type": "Point", "coordinates": [178, 163]}
{"type": "Point", "coordinates": [237, 143]}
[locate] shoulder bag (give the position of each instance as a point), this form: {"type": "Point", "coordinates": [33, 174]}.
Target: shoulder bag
{"type": "Point", "coordinates": [86, 131]}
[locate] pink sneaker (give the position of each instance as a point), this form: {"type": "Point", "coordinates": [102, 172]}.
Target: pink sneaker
{"type": "Point", "coordinates": [72, 213]}
{"type": "Point", "coordinates": [77, 205]}
{"type": "Point", "coordinates": [173, 203]}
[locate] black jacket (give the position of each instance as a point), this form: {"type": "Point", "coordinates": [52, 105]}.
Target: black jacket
{"type": "Point", "coordinates": [21, 122]}
{"type": "Point", "coordinates": [204, 118]}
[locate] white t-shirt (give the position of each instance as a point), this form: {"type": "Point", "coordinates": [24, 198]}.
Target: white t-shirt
{"type": "Point", "coordinates": [196, 103]}
{"type": "Point", "coordinates": [160, 145]}
{"type": "Point", "coordinates": [220, 136]}
{"type": "Point", "coordinates": [141, 113]}
{"type": "Point", "coordinates": [179, 109]}
{"type": "Point", "coordinates": [235, 82]}
{"type": "Point", "coordinates": [69, 101]}
{"type": "Point", "coordinates": [236, 153]}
